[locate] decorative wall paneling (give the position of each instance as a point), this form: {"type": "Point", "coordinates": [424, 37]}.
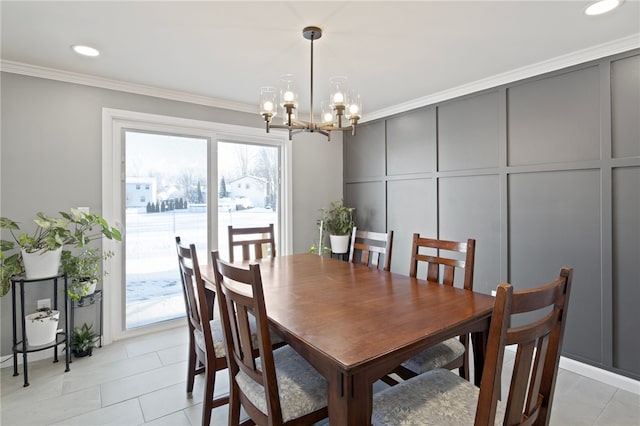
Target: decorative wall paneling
{"type": "Point", "coordinates": [543, 173]}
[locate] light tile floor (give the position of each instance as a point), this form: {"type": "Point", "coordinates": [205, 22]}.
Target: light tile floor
{"type": "Point", "coordinates": [142, 381]}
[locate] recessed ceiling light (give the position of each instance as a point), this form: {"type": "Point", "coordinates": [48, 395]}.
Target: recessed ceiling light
{"type": "Point", "coordinates": [602, 6]}
{"type": "Point", "coordinates": [85, 50]}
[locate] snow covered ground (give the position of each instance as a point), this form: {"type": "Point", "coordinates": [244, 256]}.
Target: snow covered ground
{"type": "Point", "coordinates": [153, 289]}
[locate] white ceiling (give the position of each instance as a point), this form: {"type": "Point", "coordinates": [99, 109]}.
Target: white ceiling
{"type": "Point", "coordinates": [396, 54]}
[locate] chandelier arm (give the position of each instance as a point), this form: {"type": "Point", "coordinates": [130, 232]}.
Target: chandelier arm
{"type": "Point", "coordinates": [331, 127]}
{"type": "Point", "coordinates": [284, 126]}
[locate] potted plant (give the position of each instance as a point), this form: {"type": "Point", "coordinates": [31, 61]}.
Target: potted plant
{"type": "Point", "coordinates": [338, 221]}
{"type": "Point", "coordinates": [84, 271]}
{"type": "Point", "coordinates": [73, 229]}
{"type": "Point", "coordinates": [41, 326]}
{"type": "Point", "coordinates": [83, 340]}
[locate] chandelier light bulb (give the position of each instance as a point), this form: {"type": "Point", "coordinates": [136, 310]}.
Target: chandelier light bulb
{"type": "Point", "coordinates": [353, 109]}
{"type": "Point", "coordinates": [288, 96]}
{"type": "Point", "coordinates": [268, 106]}
{"type": "Point", "coordinates": [338, 98]}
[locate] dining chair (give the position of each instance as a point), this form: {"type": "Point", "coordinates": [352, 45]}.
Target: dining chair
{"type": "Point", "coordinates": [368, 247]}
{"type": "Point", "coordinates": [275, 387]}
{"type": "Point", "coordinates": [256, 237]}
{"type": "Point", "coordinates": [442, 397]}
{"type": "Point", "coordinates": [207, 353]}
{"type": "Point", "coordinates": [442, 263]}
{"type": "Point", "coordinates": [207, 350]}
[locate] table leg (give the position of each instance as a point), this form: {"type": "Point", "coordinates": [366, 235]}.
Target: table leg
{"type": "Point", "coordinates": [349, 401]}
{"type": "Point", "coordinates": [479, 342]}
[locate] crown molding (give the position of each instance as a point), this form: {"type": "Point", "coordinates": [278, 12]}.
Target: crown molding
{"type": "Point", "coordinates": [554, 64]}
{"type": "Point", "coordinates": [105, 83]}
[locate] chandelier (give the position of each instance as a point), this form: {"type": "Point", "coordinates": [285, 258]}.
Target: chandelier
{"type": "Point", "coordinates": [341, 103]}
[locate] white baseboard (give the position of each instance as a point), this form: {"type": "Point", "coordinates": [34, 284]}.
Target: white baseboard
{"type": "Point", "coordinates": [601, 375]}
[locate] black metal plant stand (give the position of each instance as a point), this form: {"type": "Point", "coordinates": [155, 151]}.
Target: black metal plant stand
{"type": "Point", "coordinates": [85, 301]}
{"type": "Point", "coordinates": [22, 346]}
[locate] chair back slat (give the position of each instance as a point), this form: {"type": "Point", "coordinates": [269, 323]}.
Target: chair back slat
{"type": "Point", "coordinates": [372, 247]}
{"type": "Point", "coordinates": [441, 268]}
{"type": "Point", "coordinates": [538, 341]}
{"type": "Point", "coordinates": [263, 242]}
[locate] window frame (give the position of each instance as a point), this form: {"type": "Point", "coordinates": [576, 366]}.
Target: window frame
{"type": "Point", "coordinates": [114, 123]}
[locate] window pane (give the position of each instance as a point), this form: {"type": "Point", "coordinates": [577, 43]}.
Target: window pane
{"type": "Point", "coordinates": [173, 172]}
{"type": "Point", "coordinates": [248, 190]}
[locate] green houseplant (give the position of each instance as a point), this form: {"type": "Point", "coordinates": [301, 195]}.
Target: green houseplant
{"type": "Point", "coordinates": [83, 270]}
{"type": "Point", "coordinates": [70, 229]}
{"type": "Point", "coordinates": [337, 221]}
{"type": "Point", "coordinates": [83, 340]}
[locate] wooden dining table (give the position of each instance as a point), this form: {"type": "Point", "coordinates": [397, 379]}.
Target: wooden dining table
{"type": "Point", "coordinates": [355, 324]}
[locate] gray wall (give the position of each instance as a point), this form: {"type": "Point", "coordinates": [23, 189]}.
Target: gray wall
{"type": "Point", "coordinates": [542, 173]}
{"type": "Point", "coordinates": [51, 155]}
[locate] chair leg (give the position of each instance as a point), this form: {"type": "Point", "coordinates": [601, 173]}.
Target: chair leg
{"type": "Point", "coordinates": [464, 369]}
{"type": "Point", "coordinates": [234, 406]}
{"type": "Point", "coordinates": [209, 387]}
{"type": "Point", "coordinates": [191, 367]}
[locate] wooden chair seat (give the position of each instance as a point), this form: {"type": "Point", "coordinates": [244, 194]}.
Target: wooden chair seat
{"type": "Point", "coordinates": [437, 356]}
{"type": "Point", "coordinates": [301, 388]}
{"type": "Point", "coordinates": [441, 397]}
{"type": "Point", "coordinates": [437, 397]}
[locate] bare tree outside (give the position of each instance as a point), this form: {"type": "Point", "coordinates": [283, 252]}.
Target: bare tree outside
{"type": "Point", "coordinates": [186, 181]}
{"type": "Point", "coordinates": [266, 166]}
{"type": "Point", "coordinates": [243, 154]}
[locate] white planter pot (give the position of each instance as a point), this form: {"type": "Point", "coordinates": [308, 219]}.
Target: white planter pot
{"type": "Point", "coordinates": [41, 331]}
{"type": "Point", "coordinates": [92, 287]}
{"type": "Point", "coordinates": [80, 289]}
{"type": "Point", "coordinates": [339, 243]}
{"type": "Point", "coordinates": [41, 264]}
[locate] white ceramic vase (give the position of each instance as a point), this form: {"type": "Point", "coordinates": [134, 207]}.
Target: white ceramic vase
{"type": "Point", "coordinates": [80, 289]}
{"type": "Point", "coordinates": [41, 264]}
{"type": "Point", "coordinates": [339, 243]}
{"type": "Point", "coordinates": [41, 330]}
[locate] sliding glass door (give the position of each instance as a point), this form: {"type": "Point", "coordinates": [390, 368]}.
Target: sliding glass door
{"type": "Point", "coordinates": [165, 177]}
{"type": "Point", "coordinates": [166, 191]}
